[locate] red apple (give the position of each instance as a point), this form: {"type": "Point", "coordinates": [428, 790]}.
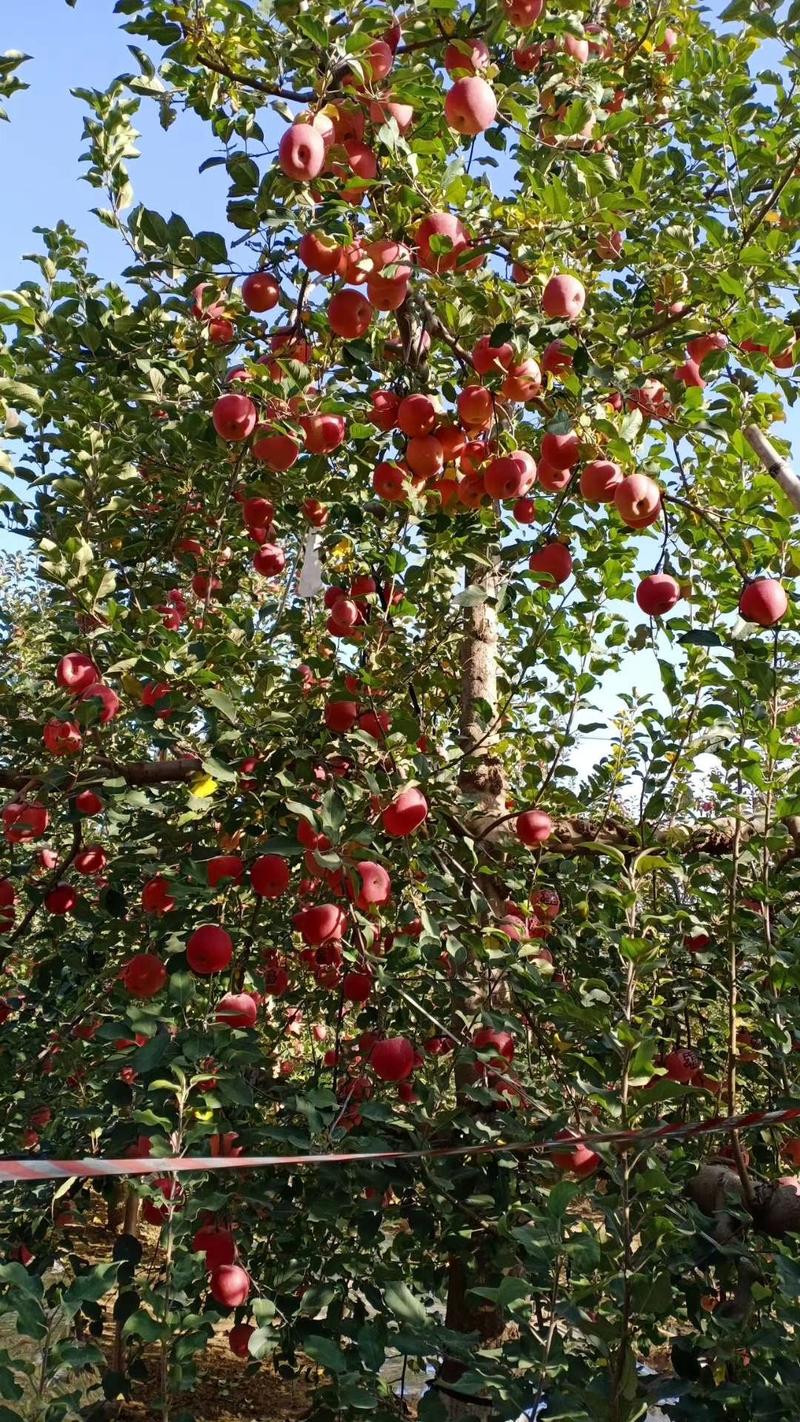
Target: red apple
{"type": "Point", "coordinates": [349, 314]}
{"type": "Point", "coordinates": [62, 737]}
{"type": "Point", "coordinates": [416, 415]}
{"type": "Point", "coordinates": [406, 813]}
{"type": "Point", "coordinates": [384, 407]}
{"type": "Point", "coordinates": [230, 1285]}
{"type": "Point", "coordinates": [209, 949]}
{"type": "Point", "coordinates": [376, 886]}
{"type": "Point", "coordinates": [657, 594]}
{"type": "Point", "coordinates": [452, 234]}
{"type": "Point", "coordinates": [561, 451]}
{"type": "Point", "coordinates": [466, 56]}
{"type": "Point", "coordinates": [475, 407]}
{"type": "Point", "coordinates": [260, 292]}
{"type": "Point", "coordinates": [523, 13]}
{"type": "Point", "coordinates": [533, 827]}
{"type": "Point", "coordinates": [563, 298]}
{"type": "Point", "coordinates": [392, 1058]}
{"type": "Point", "coordinates": [269, 560]}
{"type": "Point", "coordinates": [470, 106]}
{"type": "Point", "coordinates": [555, 560]}
{"type": "Point", "coordinates": [144, 975]}
{"type": "Point", "coordinates": [75, 672]}
{"type": "Point", "coordinates": [637, 497]}
{"type": "Point", "coordinates": [269, 876]}
{"type": "Point", "coordinates": [323, 433]}
{"type": "Point", "coordinates": [764, 601]}
{"type": "Point", "coordinates": [234, 417]}
{"type": "Point", "coordinates": [91, 860]}
{"type": "Point", "coordinates": [237, 1009]}
{"type": "Point", "coordinates": [301, 152]}
{"type": "Point", "coordinates": [599, 479]}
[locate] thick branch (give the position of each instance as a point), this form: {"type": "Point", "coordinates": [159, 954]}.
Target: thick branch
{"type": "Point", "coordinates": [779, 469]}
{"type": "Point", "coordinates": [134, 772]}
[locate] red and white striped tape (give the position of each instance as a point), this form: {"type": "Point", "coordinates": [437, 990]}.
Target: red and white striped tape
{"type": "Point", "coordinates": [34, 1168]}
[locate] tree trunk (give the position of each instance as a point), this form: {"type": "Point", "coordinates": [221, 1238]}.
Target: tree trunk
{"type": "Point", "coordinates": [483, 780]}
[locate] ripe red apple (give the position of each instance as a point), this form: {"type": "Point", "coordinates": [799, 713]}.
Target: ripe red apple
{"type": "Point", "coordinates": [424, 456]}
{"type": "Point", "coordinates": [608, 246]}
{"type": "Point", "coordinates": [209, 949]}
{"type": "Point", "coordinates": [321, 253]}
{"type": "Point", "coordinates": [349, 314]}
{"type": "Point", "coordinates": [87, 802]}
{"type": "Point", "coordinates": [205, 585]}
{"type": "Point", "coordinates": [217, 1243]}
{"type": "Point", "coordinates": [524, 511]}
{"type": "Point", "coordinates": [453, 441]}
{"type": "Point", "coordinates": [416, 415]}
{"type": "Point", "coordinates": [269, 560]}
{"type": "Point", "coordinates": [503, 478]}
{"type": "Point", "coordinates": [375, 723]}
{"type": "Point", "coordinates": [356, 986]}
{"type": "Point", "coordinates": [234, 417]}
{"type": "Point", "coordinates": [157, 896]}
{"type": "Point", "coordinates": [375, 888]}
{"type": "Point", "coordinates": [555, 560]}
{"type": "Point", "coordinates": [23, 822]}
{"type": "Point", "coordinates": [62, 737]}
{"type": "Point", "coordinates": [475, 407]}
{"type": "Point", "coordinates": [239, 1339]}
{"type": "Point", "coordinates": [657, 594]}
{"type": "Point", "coordinates": [277, 450]}
{"type": "Point", "coordinates": [466, 56]}
{"type": "Point", "coordinates": [561, 451]}
{"type": "Point", "coordinates": [301, 152]}
{"type": "Point", "coordinates": [320, 923]}
{"type": "Point", "coordinates": [91, 860]}
{"type": "Point", "coordinates": [449, 232]}
{"type": "Point", "coordinates": [563, 298]}
{"type": "Point", "coordinates": [144, 975]}
{"type": "Point", "coordinates": [523, 13]}
{"type": "Point", "coordinates": [470, 106]}
{"type": "Point", "coordinates": [533, 827]}
{"type": "Point", "coordinates": [61, 899]}
{"type": "Point", "coordinates": [392, 1058]}
{"type": "Point", "coordinates": [580, 1161]}
{"type": "Point", "coordinates": [237, 1009]}
{"type": "Point", "coordinates": [323, 433]}
{"type": "Point", "coordinates": [270, 875]}
{"type": "Point", "coordinates": [689, 375]}
{"type": "Point", "coordinates": [488, 359]}
{"type": "Point", "coordinates": [406, 813]}
{"type": "Point", "coordinates": [106, 699]}
{"type": "Point", "coordinates": [361, 164]}
{"type": "Point", "coordinates": [556, 358]}
{"type": "Point", "coordinates": [382, 110]}
{"type": "Point", "coordinates": [257, 512]}
{"type": "Point", "coordinates": [224, 868]}
{"type": "Point", "coordinates": [390, 482]}
{"type": "Point", "coordinates": [75, 672]}
{"type": "Point", "coordinates": [637, 497]}
{"type": "Point", "coordinates": [384, 407]}
{"type": "Point", "coordinates": [523, 381]}
{"type": "Point", "coordinates": [487, 1039]}
{"type": "Point", "coordinates": [230, 1285]}
{"type": "Point", "coordinates": [260, 292]}
{"type": "Point", "coordinates": [599, 479]}
{"type": "Point", "coordinates": [8, 898]}
{"type": "Point", "coordinates": [701, 346]}
{"type": "Point", "coordinates": [340, 716]}
{"type": "Point", "coordinates": [764, 601]}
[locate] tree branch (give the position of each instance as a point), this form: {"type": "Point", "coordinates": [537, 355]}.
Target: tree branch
{"type": "Point", "coordinates": [779, 469]}
{"type": "Point", "coordinates": [135, 772]}
{"type": "Point", "coordinates": [251, 81]}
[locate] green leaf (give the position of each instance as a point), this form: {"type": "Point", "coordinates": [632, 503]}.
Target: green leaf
{"type": "Point", "coordinates": [404, 1305]}
{"type": "Point", "coordinates": [325, 1352]}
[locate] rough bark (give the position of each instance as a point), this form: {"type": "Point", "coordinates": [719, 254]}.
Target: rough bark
{"type": "Point", "coordinates": [482, 779]}
{"type": "Point", "coordinates": [779, 469]}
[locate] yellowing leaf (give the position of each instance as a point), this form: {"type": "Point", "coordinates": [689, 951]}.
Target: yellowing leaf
{"type": "Point", "coordinates": [202, 786]}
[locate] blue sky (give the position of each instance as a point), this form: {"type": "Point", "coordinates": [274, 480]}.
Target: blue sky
{"type": "Point", "coordinates": [39, 151]}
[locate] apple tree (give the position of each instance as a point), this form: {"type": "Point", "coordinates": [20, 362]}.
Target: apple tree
{"type": "Point", "coordinates": [351, 529]}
